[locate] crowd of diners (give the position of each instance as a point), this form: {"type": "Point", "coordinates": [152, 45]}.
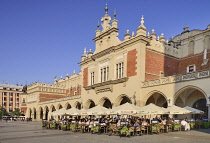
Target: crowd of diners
{"type": "Point", "coordinates": [121, 125]}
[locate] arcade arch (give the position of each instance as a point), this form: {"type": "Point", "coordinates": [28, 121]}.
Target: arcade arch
{"type": "Point", "coordinates": [59, 107]}
{"type": "Point", "coordinates": [34, 113]}
{"type": "Point", "coordinates": [156, 98]}
{"type": "Point", "coordinates": [122, 99]}
{"type": "Point", "coordinates": [105, 102]}
{"type": "Point", "coordinates": [67, 106]}
{"type": "Point", "coordinates": [41, 112]}
{"type": "Point", "coordinates": [89, 104]}
{"type": "Point", "coordinates": [77, 105]}
{"type": "Point", "coordinates": [46, 111]}
{"type": "Point", "coordinates": [193, 97]}
{"type": "Point", "coordinates": [52, 108]}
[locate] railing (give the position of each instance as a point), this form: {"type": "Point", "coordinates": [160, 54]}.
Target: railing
{"type": "Point", "coordinates": [177, 78]}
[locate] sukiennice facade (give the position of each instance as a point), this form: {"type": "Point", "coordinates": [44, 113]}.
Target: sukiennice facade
{"type": "Point", "coordinates": [141, 69]}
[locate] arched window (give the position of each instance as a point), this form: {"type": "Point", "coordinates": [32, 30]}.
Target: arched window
{"type": "Point", "coordinates": [191, 47]}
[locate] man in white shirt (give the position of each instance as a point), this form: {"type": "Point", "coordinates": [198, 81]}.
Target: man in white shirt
{"type": "Point", "coordinates": [185, 125]}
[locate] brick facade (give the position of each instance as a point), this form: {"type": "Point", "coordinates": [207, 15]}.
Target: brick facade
{"type": "Point", "coordinates": [196, 60]}
{"type": "Point", "coordinates": [131, 63]}
{"type": "Point", "coordinates": [85, 77]}
{"type": "Point", "coordinates": [72, 91]}
{"type": "Point", "coordinates": [23, 109]}
{"type": "Point", "coordinates": [156, 63]}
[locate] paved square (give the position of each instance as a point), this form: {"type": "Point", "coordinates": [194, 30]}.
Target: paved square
{"type": "Point", "coordinates": [31, 132]}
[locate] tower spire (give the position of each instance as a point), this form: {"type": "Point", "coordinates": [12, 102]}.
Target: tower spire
{"type": "Point", "coordinates": [106, 8]}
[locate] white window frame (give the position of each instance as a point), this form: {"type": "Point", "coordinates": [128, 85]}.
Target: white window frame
{"type": "Point", "coordinates": [119, 68]}
{"type": "Point", "coordinates": [188, 68]}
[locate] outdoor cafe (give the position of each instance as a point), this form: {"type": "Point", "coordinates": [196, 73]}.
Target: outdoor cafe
{"type": "Point", "coordinates": [125, 120]}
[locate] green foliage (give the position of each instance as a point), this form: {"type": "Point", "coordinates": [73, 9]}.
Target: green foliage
{"type": "Point", "coordinates": [177, 126]}
{"type": "Point", "coordinates": [53, 125]}
{"type": "Point", "coordinates": [73, 127]}
{"type": "Point", "coordinates": [192, 125]}
{"type": "Point", "coordinates": [206, 124]}
{"type": "Point", "coordinates": [16, 112]}
{"type": "Point", "coordinates": [156, 128]}
{"type": "Point", "coordinates": [3, 112]}
{"type": "Point", "coordinates": [95, 128]}
{"type": "Point", "coordinates": [125, 131]}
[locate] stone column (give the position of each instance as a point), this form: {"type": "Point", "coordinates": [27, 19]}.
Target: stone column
{"type": "Point", "coordinates": [44, 116]}
{"type": "Point", "coordinates": [38, 116]}
{"type": "Point", "coordinates": [32, 116]}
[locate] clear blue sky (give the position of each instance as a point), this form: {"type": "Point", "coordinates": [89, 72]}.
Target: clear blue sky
{"type": "Point", "coordinates": [43, 38]}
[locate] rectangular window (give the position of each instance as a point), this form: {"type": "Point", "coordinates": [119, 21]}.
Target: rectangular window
{"type": "Point", "coordinates": [5, 104]}
{"type": "Point", "coordinates": [191, 68]}
{"type": "Point", "coordinates": [107, 70]}
{"type": "Point", "coordinates": [104, 74]}
{"type": "Point", "coordinates": [10, 99]}
{"type": "Point", "coordinates": [92, 78]}
{"type": "Point", "coordinates": [101, 75]}
{"type": "Point", "coordinates": [5, 98]}
{"type": "Point", "coordinates": [10, 94]}
{"type": "Point", "coordinates": [119, 70]}
{"type": "Point", "coordinates": [24, 100]}
{"type": "Point", "coordinates": [17, 104]}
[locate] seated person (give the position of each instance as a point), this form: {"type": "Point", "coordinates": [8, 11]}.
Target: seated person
{"type": "Point", "coordinates": [136, 124]}
{"type": "Point", "coordinates": [185, 125]}
{"type": "Point", "coordinates": [144, 123]}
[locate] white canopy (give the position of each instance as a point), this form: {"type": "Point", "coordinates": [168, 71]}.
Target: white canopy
{"type": "Point", "coordinates": [126, 108]}
{"type": "Point", "coordinates": [152, 109]}
{"type": "Point", "coordinates": [59, 112]}
{"type": "Point", "coordinates": [97, 110]}
{"type": "Point", "coordinates": [177, 110]}
{"type": "Point", "coordinates": [73, 111]}
{"type": "Point", "coordinates": [193, 110]}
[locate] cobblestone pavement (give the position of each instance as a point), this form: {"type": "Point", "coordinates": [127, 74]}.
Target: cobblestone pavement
{"type": "Point", "coordinates": [31, 132]}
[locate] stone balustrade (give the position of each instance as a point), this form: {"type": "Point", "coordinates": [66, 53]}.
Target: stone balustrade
{"type": "Point", "coordinates": [177, 78]}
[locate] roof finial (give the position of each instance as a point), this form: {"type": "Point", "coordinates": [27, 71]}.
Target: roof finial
{"type": "Point", "coordinates": [142, 20]}
{"type": "Point", "coordinates": [133, 34]}
{"type": "Point", "coordinates": [127, 31]}
{"type": "Point", "coordinates": [115, 14]}
{"type": "Point", "coordinates": [153, 31]}
{"type": "Point", "coordinates": [98, 25]}
{"type": "Point", "coordinates": [186, 28]}
{"type": "Point", "coordinates": [85, 51]}
{"type": "Point", "coordinates": [106, 8]}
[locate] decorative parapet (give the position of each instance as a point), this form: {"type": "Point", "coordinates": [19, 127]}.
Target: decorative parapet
{"type": "Point", "coordinates": [61, 99]}
{"type": "Point", "coordinates": [106, 86]}
{"type": "Point", "coordinates": [177, 78]}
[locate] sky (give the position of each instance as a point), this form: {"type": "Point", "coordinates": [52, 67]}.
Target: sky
{"type": "Point", "coordinates": [41, 39]}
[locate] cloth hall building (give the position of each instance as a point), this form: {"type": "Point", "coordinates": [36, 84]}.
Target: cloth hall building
{"type": "Point", "coordinates": [141, 69]}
